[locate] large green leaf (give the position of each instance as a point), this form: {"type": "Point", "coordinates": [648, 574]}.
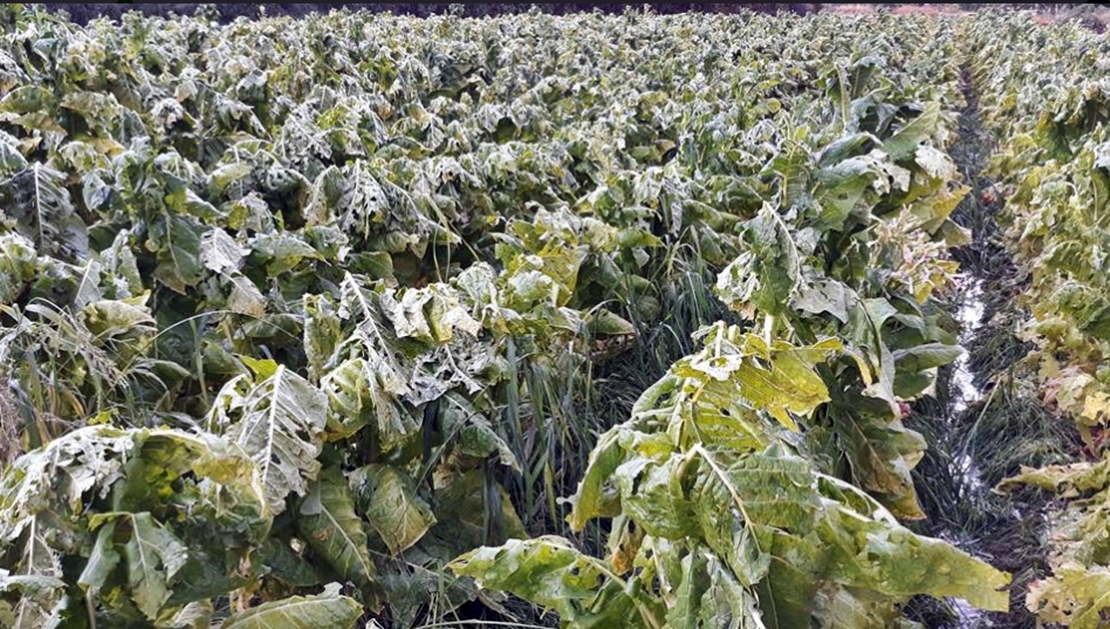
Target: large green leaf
{"type": "Point", "coordinates": [37, 199]}
{"type": "Point", "coordinates": [710, 597]}
{"type": "Point", "coordinates": [552, 573]}
{"type": "Point", "coordinates": [472, 509]}
{"type": "Point", "coordinates": [102, 561]}
{"type": "Point", "coordinates": [833, 533]}
{"type": "Point", "coordinates": [153, 555]}
{"type": "Point", "coordinates": [178, 240]}
{"type": "Point", "coordinates": [905, 141]}
{"type": "Point", "coordinates": [594, 498]}
{"type": "Point", "coordinates": [766, 275]}
{"type": "Point", "coordinates": [926, 356]}
{"type": "Point", "coordinates": [778, 379]}
{"type": "Point", "coordinates": [283, 563]}
{"type": "Point", "coordinates": [326, 519]}
{"type": "Point", "coordinates": [882, 452]}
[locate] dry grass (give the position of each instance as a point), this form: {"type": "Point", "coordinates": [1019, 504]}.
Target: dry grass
{"type": "Point", "coordinates": [928, 9]}
{"type": "Point", "coordinates": [904, 9]}
{"type": "Point", "coordinates": [850, 9]}
{"type": "Point", "coordinates": [11, 425]}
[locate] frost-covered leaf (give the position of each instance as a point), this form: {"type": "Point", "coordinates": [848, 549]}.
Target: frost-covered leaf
{"type": "Point", "coordinates": [766, 274]}
{"type": "Point", "coordinates": [245, 298]}
{"type": "Point", "coordinates": [1074, 596]}
{"type": "Point", "coordinates": [906, 140]}
{"type": "Point", "coordinates": [358, 396]}
{"type": "Point", "coordinates": [551, 572]}
{"type": "Point", "coordinates": [219, 252]}
{"type": "Point", "coordinates": [179, 248]}
{"type": "Point", "coordinates": [779, 380]}
{"type": "Point", "coordinates": [36, 198]}
{"type": "Point", "coordinates": [26, 99]}
{"type": "Point", "coordinates": [107, 318]}
{"type": "Point", "coordinates": [825, 295]}
{"type": "Point", "coordinates": [17, 265]}
{"type": "Point", "coordinates": [279, 422]}
{"type": "Point", "coordinates": [154, 555]}
{"type": "Point", "coordinates": [30, 600]}
{"type": "Point", "coordinates": [102, 561]}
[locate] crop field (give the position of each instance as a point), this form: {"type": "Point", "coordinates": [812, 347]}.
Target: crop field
{"type": "Point", "coordinates": [590, 321]}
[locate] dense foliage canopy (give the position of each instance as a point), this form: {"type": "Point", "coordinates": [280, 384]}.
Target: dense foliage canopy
{"type": "Point", "coordinates": [303, 320]}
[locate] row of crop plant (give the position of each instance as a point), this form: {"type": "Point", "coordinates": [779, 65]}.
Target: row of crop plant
{"type": "Point", "coordinates": [1045, 94]}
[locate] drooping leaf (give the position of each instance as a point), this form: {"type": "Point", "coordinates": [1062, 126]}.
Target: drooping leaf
{"type": "Point", "coordinates": [179, 252]}
{"type": "Point", "coordinates": [326, 518]}
{"type": "Point", "coordinates": [392, 507]}
{"type": "Point", "coordinates": [279, 422]}
{"type": "Point", "coordinates": [17, 266]}
{"type": "Point", "coordinates": [766, 274]}
{"type": "Point", "coordinates": [324, 611]}
{"type": "Point", "coordinates": [153, 555]}
{"type": "Point", "coordinates": [102, 561]}
{"type": "Point", "coordinates": [41, 206]}
{"type": "Point", "coordinates": [905, 141]}
{"type": "Point", "coordinates": [219, 252]}
{"type": "Point", "coordinates": [1075, 596]}
{"type": "Point", "coordinates": [550, 572]}
{"type": "Point", "coordinates": [30, 600]}
{"type": "Point", "coordinates": [882, 453]}
{"type": "Point", "coordinates": [283, 563]}
{"type": "Point", "coordinates": [927, 356]}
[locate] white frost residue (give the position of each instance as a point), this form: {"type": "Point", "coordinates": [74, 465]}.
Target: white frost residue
{"type": "Point", "coordinates": [969, 617]}
{"type": "Point", "coordinates": [970, 316]}
{"type": "Point", "coordinates": [970, 472]}
{"type": "Point", "coordinates": [964, 394]}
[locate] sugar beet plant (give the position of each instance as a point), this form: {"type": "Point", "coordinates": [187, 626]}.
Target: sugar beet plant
{"type": "Point", "coordinates": [295, 313]}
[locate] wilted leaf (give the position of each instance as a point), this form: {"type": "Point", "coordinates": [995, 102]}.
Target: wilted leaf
{"type": "Point", "coordinates": [219, 252]}
{"type": "Point", "coordinates": [766, 275]}
{"type": "Point", "coordinates": [41, 206]}
{"type": "Point", "coordinates": [551, 573]}
{"type": "Point", "coordinates": [327, 520]}
{"type": "Point", "coordinates": [324, 611]}
{"type": "Point", "coordinates": [279, 422]}
{"type": "Point", "coordinates": [17, 266]}
{"type": "Point", "coordinates": [392, 506]}
{"type": "Point", "coordinates": [154, 555]}
{"type": "Point", "coordinates": [179, 263]}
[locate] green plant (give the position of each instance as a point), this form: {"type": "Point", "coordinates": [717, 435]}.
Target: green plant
{"type": "Point", "coordinates": [380, 264]}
